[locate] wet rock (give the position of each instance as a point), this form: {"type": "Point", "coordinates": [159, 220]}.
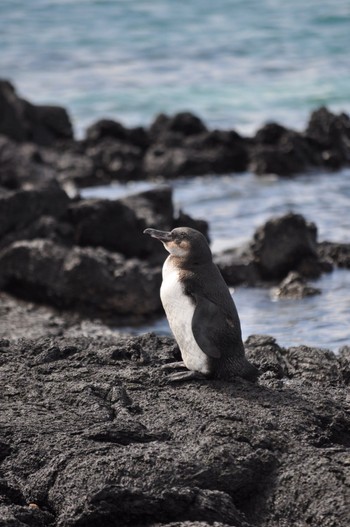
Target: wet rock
{"type": "Point", "coordinates": [286, 243]}
{"type": "Point", "coordinates": [294, 286]}
{"type": "Point", "coordinates": [23, 121]}
{"type": "Point", "coordinates": [198, 453]}
{"type": "Point", "coordinates": [84, 278]}
{"type": "Point", "coordinates": [337, 254]}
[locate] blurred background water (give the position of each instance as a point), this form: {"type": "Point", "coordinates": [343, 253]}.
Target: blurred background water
{"type": "Point", "coordinates": [237, 64]}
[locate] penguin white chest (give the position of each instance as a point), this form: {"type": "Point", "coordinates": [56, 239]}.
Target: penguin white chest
{"type": "Point", "coordinates": [179, 310]}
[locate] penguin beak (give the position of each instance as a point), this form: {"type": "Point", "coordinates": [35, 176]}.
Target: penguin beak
{"type": "Point", "coordinates": [162, 236]}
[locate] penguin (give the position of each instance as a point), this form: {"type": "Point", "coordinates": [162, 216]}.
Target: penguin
{"type": "Point", "coordinates": [200, 310]}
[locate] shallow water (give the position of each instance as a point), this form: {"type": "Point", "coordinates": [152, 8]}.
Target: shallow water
{"type": "Point", "coordinates": [235, 206]}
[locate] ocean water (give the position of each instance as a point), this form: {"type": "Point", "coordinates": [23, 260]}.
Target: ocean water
{"type": "Point", "coordinates": [236, 64]}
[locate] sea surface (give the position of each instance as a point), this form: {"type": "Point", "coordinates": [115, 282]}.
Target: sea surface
{"type": "Point", "coordinates": [236, 64]}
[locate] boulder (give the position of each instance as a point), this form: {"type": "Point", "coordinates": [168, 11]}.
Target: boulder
{"type": "Point", "coordinates": [284, 244]}
{"type": "Point", "coordinates": [237, 266]}
{"type": "Point", "coordinates": [183, 123]}
{"type": "Point", "coordinates": [92, 434]}
{"type": "Point", "coordinates": [82, 278]}
{"type": "Point", "coordinates": [115, 160]}
{"type": "Point", "coordinates": [330, 134]}
{"type": "Point", "coordinates": [23, 121]}
{"type": "Point", "coordinates": [107, 128]}
{"type": "Point", "coordinates": [23, 164]}
{"type": "Point", "coordinates": [18, 208]}
{"type": "Point", "coordinates": [294, 287]}
{"type": "Point", "coordinates": [109, 224]}
{"type": "Point", "coordinates": [118, 225]}
{"type": "Point", "coordinates": [70, 164]}
{"type": "Point", "coordinates": [277, 150]}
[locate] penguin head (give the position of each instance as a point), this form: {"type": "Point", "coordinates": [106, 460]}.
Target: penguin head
{"type": "Point", "coordinates": [184, 242]}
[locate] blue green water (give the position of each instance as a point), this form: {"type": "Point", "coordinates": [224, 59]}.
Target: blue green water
{"type": "Point", "coordinates": [237, 63]}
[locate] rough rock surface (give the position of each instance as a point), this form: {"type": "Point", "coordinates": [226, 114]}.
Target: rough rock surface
{"type": "Point", "coordinates": [92, 434]}
{"type": "Point", "coordinates": [84, 278]}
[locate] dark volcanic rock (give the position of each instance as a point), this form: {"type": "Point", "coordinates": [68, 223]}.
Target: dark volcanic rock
{"type": "Point", "coordinates": [337, 253]}
{"type": "Point", "coordinates": [283, 244]}
{"type": "Point", "coordinates": [79, 253]}
{"type": "Point", "coordinates": [286, 243]}
{"type": "Point", "coordinates": [22, 207]}
{"type": "Point", "coordinates": [183, 123]}
{"type": "Point", "coordinates": [109, 224]}
{"type": "Point", "coordinates": [281, 151]}
{"type": "Point", "coordinates": [23, 121]}
{"type": "Point", "coordinates": [331, 135]}
{"type": "Point", "coordinates": [84, 278]}
{"type": "Point", "coordinates": [294, 286]}
{"type": "Point", "coordinates": [118, 225]}
{"type": "Point", "coordinates": [115, 160]}
{"type": "Point", "coordinates": [92, 434]}
{"type": "Point", "coordinates": [184, 147]}
{"type": "Point", "coordinates": [114, 130]}
{"type": "Point", "coordinates": [237, 266]}
{"type": "Point", "coordinates": [22, 164]}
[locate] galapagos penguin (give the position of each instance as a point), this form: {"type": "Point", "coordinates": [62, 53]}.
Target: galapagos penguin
{"type": "Point", "coordinates": [200, 309]}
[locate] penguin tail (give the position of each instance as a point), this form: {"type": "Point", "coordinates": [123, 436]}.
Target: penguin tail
{"type": "Point", "coordinates": [248, 371]}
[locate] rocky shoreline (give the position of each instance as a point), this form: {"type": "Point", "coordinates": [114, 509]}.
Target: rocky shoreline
{"type": "Point", "coordinates": [37, 144]}
{"type": "Point", "coordinates": [91, 432]}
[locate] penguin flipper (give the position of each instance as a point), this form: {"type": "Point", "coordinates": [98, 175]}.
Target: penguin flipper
{"type": "Point", "coordinates": [207, 322]}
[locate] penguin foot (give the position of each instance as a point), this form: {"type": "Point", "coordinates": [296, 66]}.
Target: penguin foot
{"type": "Point", "coordinates": [173, 366]}
{"type": "Point", "coordinates": [186, 376]}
